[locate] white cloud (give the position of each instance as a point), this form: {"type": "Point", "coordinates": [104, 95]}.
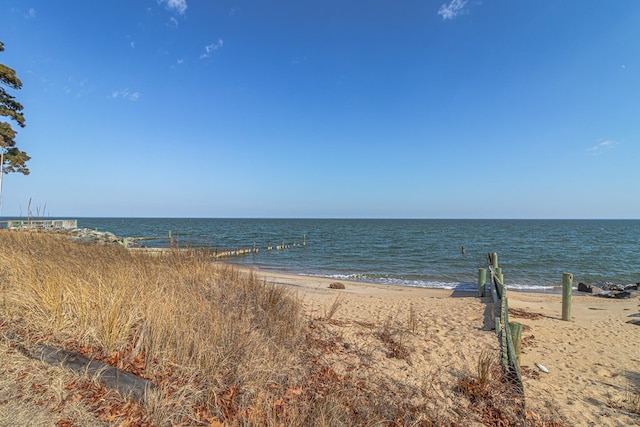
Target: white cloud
{"type": "Point", "coordinates": [125, 94]}
{"type": "Point", "coordinates": [133, 45]}
{"type": "Point", "coordinates": [77, 87]}
{"type": "Point", "coordinates": [210, 48]}
{"type": "Point", "coordinates": [452, 9]}
{"type": "Point", "coordinates": [179, 6]}
{"type": "Point", "coordinates": [601, 147]}
{"type": "Point", "coordinates": [178, 63]}
{"type": "Point", "coordinates": [173, 23]}
{"type": "Point", "coordinates": [298, 61]}
{"type": "Point", "coordinates": [31, 13]}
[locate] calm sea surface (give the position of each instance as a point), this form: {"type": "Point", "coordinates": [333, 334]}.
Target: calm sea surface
{"type": "Point", "coordinates": [424, 253]}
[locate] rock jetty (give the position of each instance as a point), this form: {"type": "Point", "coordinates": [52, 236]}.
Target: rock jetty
{"type": "Point", "coordinates": [87, 235]}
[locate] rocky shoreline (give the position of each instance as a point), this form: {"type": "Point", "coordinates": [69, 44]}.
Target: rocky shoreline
{"type": "Point", "coordinates": [611, 290]}
{"type": "Point", "coordinates": [87, 235]}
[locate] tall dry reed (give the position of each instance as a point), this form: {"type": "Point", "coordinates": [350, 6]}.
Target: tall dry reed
{"type": "Point", "coordinates": [222, 330]}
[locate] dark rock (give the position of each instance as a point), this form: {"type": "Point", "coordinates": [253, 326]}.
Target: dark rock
{"type": "Point", "coordinates": [619, 294]}
{"type": "Point", "coordinates": [336, 285]}
{"type": "Point", "coordinates": [608, 286]}
{"type": "Point", "coordinates": [606, 294]}
{"type": "Point", "coordinates": [631, 287]}
{"type": "Point", "coordinates": [592, 289]}
{"type": "Point", "coordinates": [622, 295]}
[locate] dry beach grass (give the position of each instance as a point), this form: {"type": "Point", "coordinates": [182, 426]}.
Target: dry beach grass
{"type": "Point", "coordinates": [226, 346]}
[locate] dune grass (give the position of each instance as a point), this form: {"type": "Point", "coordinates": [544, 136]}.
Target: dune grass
{"type": "Point", "coordinates": [223, 348]}
{"type": "Point", "coordinates": [226, 337]}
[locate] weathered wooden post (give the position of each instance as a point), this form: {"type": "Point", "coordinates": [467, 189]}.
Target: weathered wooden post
{"type": "Point", "coordinates": [482, 279]}
{"type": "Point", "coordinates": [567, 289]}
{"type": "Point", "coordinates": [504, 310]}
{"type": "Point", "coordinates": [494, 259]}
{"type": "Point", "coordinates": [516, 337]}
{"type": "Point", "coordinates": [499, 281]}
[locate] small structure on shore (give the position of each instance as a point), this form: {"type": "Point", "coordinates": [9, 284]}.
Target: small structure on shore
{"type": "Point", "coordinates": [40, 224]}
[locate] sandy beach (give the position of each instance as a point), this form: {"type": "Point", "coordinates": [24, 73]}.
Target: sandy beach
{"type": "Point", "coordinates": [592, 360]}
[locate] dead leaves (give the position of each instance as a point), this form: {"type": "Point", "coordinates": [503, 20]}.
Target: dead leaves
{"type": "Point", "coordinates": [523, 314]}
{"type": "Point", "coordinates": [107, 405]}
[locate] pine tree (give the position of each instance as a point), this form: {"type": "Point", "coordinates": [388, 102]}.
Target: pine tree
{"type": "Point", "coordinates": [13, 159]}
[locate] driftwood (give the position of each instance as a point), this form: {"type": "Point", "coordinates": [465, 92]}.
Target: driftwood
{"type": "Point", "coordinates": [128, 385]}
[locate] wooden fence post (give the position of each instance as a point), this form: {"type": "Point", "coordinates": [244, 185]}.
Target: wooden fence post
{"type": "Point", "coordinates": [482, 279]}
{"type": "Point", "coordinates": [567, 285]}
{"type": "Point", "coordinates": [500, 281]}
{"type": "Point", "coordinates": [494, 260]}
{"type": "Point", "coordinates": [516, 336]}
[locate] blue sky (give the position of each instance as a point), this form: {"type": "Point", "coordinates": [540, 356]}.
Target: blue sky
{"type": "Point", "coordinates": [377, 109]}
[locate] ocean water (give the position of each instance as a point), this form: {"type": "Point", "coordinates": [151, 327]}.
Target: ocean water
{"type": "Point", "coordinates": [425, 253]}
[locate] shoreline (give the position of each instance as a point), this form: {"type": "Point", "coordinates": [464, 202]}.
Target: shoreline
{"type": "Point", "coordinates": [296, 279]}
{"type": "Point", "coordinates": [592, 359]}
{"type": "Point", "coordinates": [456, 279]}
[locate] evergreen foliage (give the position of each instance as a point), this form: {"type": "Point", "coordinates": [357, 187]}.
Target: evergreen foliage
{"type": "Point", "coordinates": [14, 159]}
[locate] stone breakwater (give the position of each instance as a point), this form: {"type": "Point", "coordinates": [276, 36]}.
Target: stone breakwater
{"type": "Point", "coordinates": [87, 235]}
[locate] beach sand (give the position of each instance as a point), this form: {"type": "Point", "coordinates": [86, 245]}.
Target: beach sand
{"type": "Point", "coordinates": [593, 360]}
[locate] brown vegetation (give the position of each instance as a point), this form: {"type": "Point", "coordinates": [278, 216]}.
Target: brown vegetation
{"type": "Point", "coordinates": [221, 347]}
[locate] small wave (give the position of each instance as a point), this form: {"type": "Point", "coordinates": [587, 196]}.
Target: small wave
{"type": "Point", "coordinates": [385, 280]}
{"type": "Point", "coordinates": [430, 284]}
{"type": "Point", "coordinates": [536, 288]}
